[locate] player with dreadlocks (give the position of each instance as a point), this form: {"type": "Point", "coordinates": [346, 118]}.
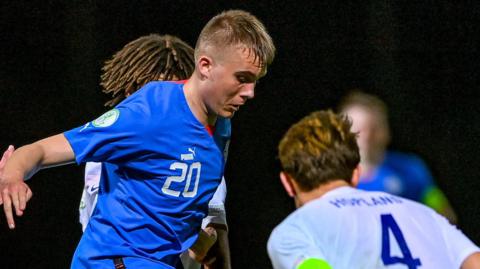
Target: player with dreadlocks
{"type": "Point", "coordinates": [161, 164]}
{"type": "Point", "coordinates": [148, 58]}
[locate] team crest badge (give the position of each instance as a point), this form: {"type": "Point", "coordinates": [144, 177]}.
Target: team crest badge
{"type": "Point", "coordinates": [107, 119]}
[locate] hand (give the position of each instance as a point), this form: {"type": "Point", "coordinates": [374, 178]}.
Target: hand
{"type": "Point", "coordinates": [220, 251]}
{"type": "Point", "coordinates": [206, 239]}
{"type": "Point", "coordinates": [12, 191]}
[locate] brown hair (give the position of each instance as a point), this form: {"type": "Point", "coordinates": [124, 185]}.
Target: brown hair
{"type": "Point", "coordinates": [148, 58]}
{"type": "Point", "coordinates": [237, 27]}
{"type": "Point", "coordinates": [318, 149]}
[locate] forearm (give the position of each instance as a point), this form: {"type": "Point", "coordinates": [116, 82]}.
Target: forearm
{"type": "Point", "coordinates": [27, 160]}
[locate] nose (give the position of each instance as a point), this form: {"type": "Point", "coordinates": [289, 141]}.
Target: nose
{"type": "Point", "coordinates": [248, 91]}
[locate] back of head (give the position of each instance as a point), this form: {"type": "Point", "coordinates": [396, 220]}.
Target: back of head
{"type": "Point", "coordinates": [318, 149]}
{"type": "Point", "coordinates": [236, 28]}
{"type": "Point", "coordinates": [364, 100]}
{"type": "Point", "coordinates": [148, 58]}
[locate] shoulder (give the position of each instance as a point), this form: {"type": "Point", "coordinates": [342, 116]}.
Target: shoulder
{"type": "Point", "coordinates": [407, 162]}
{"type": "Point", "coordinates": [166, 85]}
{"type": "Point", "coordinates": [395, 156]}
{"type": "Point", "coordinates": [290, 223]}
{"type": "Point", "coordinates": [155, 88]}
{"type": "Point", "coordinates": [153, 98]}
{"type": "Point", "coordinates": [287, 232]}
{"type": "Point", "coordinates": [304, 219]}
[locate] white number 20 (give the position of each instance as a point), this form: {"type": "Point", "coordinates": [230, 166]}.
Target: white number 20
{"type": "Point", "coordinates": [187, 171]}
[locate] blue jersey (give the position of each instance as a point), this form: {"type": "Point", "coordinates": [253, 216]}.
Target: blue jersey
{"type": "Point", "coordinates": [400, 174]}
{"type": "Point", "coordinates": [160, 169]}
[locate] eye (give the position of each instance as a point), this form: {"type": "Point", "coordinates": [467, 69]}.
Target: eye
{"type": "Point", "coordinates": [242, 79]}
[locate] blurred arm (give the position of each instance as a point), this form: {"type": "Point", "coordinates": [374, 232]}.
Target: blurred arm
{"type": "Point", "coordinates": [220, 250]}
{"type": "Point", "coordinates": [437, 200]}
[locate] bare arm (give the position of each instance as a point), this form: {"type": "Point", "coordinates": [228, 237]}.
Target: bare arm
{"type": "Point", "coordinates": [472, 261]}
{"type": "Point", "coordinates": [22, 164]}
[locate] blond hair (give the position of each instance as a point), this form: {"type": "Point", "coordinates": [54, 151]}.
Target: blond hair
{"type": "Point", "coordinates": [237, 27]}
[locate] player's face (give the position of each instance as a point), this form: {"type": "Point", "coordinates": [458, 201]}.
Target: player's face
{"type": "Point", "coordinates": [373, 134]}
{"type": "Point", "coordinates": [232, 81]}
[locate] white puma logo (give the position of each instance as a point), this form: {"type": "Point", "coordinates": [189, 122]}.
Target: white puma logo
{"type": "Point", "coordinates": [192, 151]}
{"type": "Point", "coordinates": [188, 157]}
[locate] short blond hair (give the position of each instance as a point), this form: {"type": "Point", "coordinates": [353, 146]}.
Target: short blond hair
{"type": "Point", "coordinates": [237, 27]}
{"type": "Point", "coordinates": [318, 149]}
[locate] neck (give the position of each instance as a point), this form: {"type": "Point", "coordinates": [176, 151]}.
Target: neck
{"type": "Point", "coordinates": [196, 103]}
{"type": "Point", "coordinates": [304, 197]}
{"type": "Point", "coordinates": [369, 165]}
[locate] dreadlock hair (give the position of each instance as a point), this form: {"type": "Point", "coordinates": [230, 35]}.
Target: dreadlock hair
{"type": "Point", "coordinates": [148, 58]}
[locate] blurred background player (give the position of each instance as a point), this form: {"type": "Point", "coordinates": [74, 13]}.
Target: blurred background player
{"type": "Point", "coordinates": [154, 58]}
{"type": "Point", "coordinates": [398, 173]}
{"type": "Point", "coordinates": [338, 226]}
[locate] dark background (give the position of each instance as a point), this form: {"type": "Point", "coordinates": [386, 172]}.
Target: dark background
{"type": "Point", "coordinates": [421, 58]}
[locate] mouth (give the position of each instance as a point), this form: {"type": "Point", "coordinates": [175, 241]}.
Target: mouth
{"type": "Point", "coordinates": [235, 107]}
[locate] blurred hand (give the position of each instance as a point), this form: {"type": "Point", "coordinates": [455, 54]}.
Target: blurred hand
{"type": "Point", "coordinates": [206, 239]}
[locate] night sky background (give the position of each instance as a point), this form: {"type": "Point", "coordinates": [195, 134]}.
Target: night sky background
{"type": "Point", "coordinates": [421, 58]}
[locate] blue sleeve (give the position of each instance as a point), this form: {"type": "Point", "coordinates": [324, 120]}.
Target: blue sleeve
{"type": "Point", "coordinates": [112, 137]}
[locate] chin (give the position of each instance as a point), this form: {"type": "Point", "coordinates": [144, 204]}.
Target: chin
{"type": "Point", "coordinates": [226, 114]}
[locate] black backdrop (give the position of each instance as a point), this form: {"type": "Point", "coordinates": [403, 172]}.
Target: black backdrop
{"type": "Point", "coordinates": [421, 58]}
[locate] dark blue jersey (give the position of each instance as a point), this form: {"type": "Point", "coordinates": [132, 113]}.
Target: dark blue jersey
{"type": "Point", "coordinates": [160, 169]}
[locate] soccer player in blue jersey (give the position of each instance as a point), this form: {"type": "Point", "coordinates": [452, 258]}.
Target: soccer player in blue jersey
{"type": "Point", "coordinates": [398, 173]}
{"type": "Point", "coordinates": [338, 226]}
{"type": "Point", "coordinates": [161, 165]}
{"type": "Point", "coordinates": [126, 72]}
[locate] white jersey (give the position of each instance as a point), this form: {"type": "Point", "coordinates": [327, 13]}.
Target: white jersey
{"type": "Point", "coordinates": [90, 192]}
{"type": "Point", "coordinates": [349, 228]}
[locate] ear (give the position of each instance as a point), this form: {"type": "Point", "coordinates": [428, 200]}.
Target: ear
{"type": "Point", "coordinates": [287, 184]}
{"type": "Point", "coordinates": [205, 65]}
{"type": "Point", "coordinates": [355, 177]}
